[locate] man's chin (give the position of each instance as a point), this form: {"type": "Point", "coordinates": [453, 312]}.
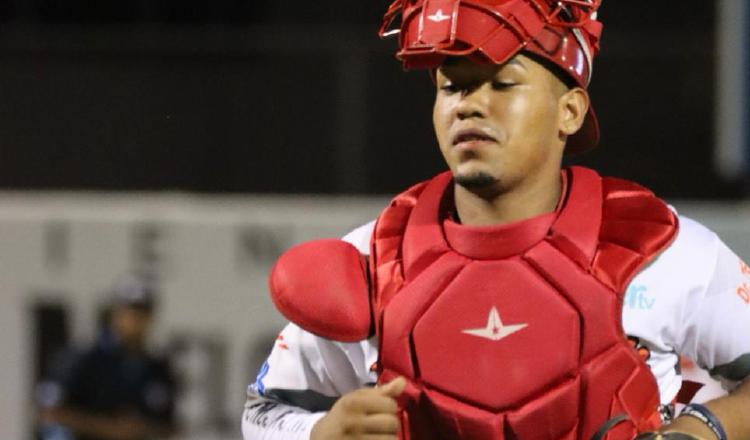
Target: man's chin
{"type": "Point", "coordinates": [475, 181]}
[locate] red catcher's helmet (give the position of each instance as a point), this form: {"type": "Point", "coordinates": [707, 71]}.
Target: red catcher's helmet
{"type": "Point", "coordinates": [564, 32]}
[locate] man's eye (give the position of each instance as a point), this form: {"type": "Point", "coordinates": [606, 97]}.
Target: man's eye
{"type": "Point", "coordinates": [449, 88]}
{"type": "Point", "coordinates": [502, 85]}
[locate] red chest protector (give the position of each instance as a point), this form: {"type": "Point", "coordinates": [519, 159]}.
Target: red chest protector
{"type": "Point", "coordinates": [515, 332]}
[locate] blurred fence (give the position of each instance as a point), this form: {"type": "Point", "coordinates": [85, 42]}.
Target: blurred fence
{"type": "Point", "coordinates": [60, 251]}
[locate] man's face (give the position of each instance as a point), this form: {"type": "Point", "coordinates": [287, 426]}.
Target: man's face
{"type": "Point", "coordinates": [131, 324]}
{"type": "Point", "coordinates": [498, 126]}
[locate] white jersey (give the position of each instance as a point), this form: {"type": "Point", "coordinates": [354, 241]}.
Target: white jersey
{"type": "Point", "coordinates": [693, 300]}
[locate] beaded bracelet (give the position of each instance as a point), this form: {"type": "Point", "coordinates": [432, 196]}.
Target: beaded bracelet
{"type": "Point", "coordinates": [703, 414]}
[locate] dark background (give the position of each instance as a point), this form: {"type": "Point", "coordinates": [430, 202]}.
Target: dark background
{"type": "Point", "coordinates": [293, 96]}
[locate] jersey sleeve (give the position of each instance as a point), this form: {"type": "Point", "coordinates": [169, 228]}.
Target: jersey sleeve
{"type": "Point", "coordinates": [716, 323]}
{"type": "Point", "coordinates": [360, 237]}
{"type": "Point", "coordinates": [302, 378]}
{"type": "Point", "coordinates": [312, 372]}
{"type": "Point", "coordinates": [305, 374]}
{"type": "Point", "coordinates": [268, 419]}
{"type": "Point", "coordinates": [690, 302]}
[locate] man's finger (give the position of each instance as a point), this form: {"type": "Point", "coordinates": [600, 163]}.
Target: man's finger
{"type": "Point", "coordinates": [375, 403]}
{"type": "Point", "coordinates": [393, 388]}
{"type": "Point", "coordinates": [380, 424]}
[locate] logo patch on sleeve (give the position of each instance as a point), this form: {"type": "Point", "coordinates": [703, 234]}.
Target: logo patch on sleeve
{"type": "Point", "coordinates": [637, 298]}
{"type": "Point", "coordinates": [259, 387]}
{"type": "Point", "coordinates": [744, 292]}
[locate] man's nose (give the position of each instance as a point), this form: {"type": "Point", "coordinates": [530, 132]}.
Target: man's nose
{"type": "Point", "coordinates": [473, 103]}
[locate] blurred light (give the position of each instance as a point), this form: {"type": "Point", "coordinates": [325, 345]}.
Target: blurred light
{"type": "Point", "coordinates": [732, 153]}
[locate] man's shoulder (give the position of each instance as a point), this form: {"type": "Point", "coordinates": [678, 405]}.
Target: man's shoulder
{"type": "Point", "coordinates": [88, 356]}
{"type": "Point", "coordinates": [694, 238]}
{"type": "Point", "coordinates": [692, 254]}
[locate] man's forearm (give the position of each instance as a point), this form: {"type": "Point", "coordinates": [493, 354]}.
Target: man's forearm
{"type": "Point", "coordinates": [733, 411]}
{"type": "Point", "coordinates": [267, 419]}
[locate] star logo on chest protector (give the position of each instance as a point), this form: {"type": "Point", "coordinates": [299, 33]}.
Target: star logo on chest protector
{"type": "Point", "coordinates": [438, 16]}
{"type": "Point", "coordinates": [495, 330]}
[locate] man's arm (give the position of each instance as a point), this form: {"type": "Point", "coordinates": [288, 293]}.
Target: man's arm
{"type": "Point", "coordinates": [304, 376]}
{"type": "Point", "coordinates": [362, 413]}
{"type": "Point", "coordinates": [268, 419]}
{"type": "Point", "coordinates": [733, 411]}
{"type": "Point", "coordinates": [715, 329]}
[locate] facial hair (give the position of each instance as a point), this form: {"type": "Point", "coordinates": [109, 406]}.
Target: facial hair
{"type": "Point", "coordinates": [475, 181]}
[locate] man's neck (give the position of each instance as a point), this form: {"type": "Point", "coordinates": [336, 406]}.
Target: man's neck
{"type": "Point", "coordinates": [519, 203]}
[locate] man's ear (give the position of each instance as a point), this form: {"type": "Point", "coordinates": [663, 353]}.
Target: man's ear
{"type": "Point", "coordinates": [573, 106]}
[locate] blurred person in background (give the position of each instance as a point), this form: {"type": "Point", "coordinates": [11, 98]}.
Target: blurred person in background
{"type": "Point", "coordinates": [116, 389]}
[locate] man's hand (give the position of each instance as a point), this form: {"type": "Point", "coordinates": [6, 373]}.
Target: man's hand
{"type": "Point", "coordinates": [366, 414]}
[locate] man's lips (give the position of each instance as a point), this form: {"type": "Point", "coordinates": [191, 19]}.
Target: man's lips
{"type": "Point", "coordinates": [472, 135]}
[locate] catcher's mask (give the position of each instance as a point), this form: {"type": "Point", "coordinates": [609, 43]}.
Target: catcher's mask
{"type": "Point", "coordinates": [565, 32]}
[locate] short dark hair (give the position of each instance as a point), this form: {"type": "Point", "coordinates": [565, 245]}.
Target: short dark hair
{"type": "Point", "coordinates": [556, 70]}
